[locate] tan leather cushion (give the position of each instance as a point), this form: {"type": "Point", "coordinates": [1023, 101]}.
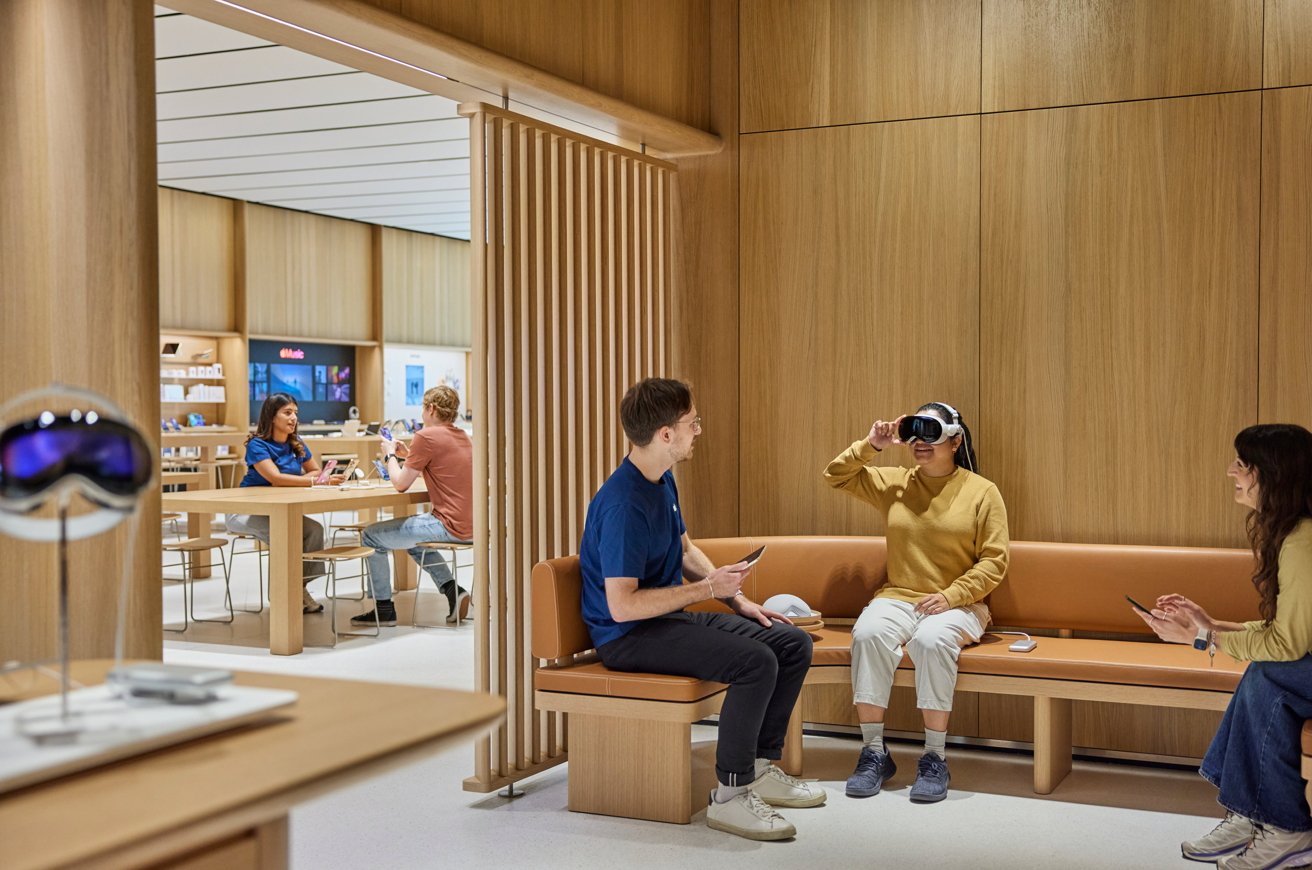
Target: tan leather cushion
{"type": "Point", "coordinates": [556, 589]}
{"type": "Point", "coordinates": [594, 678]}
{"type": "Point", "coordinates": [1083, 586]}
{"type": "Point", "coordinates": [1131, 663]}
{"type": "Point", "coordinates": [835, 575]}
{"type": "Point", "coordinates": [1307, 737]}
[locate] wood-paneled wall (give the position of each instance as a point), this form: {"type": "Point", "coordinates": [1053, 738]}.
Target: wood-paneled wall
{"type": "Point", "coordinates": [426, 289]}
{"type": "Point", "coordinates": [1057, 52]}
{"type": "Point", "coordinates": [812, 63]}
{"type": "Point", "coordinates": [705, 344]}
{"type": "Point", "coordinates": [197, 268]}
{"type": "Point", "coordinates": [651, 55]}
{"type": "Point", "coordinates": [860, 299]}
{"type": "Point", "coordinates": [1286, 299]}
{"type": "Point", "coordinates": [574, 282]}
{"type": "Point", "coordinates": [308, 276]}
{"type": "Point", "coordinates": [78, 290]}
{"type": "Point", "coordinates": [1288, 55]}
{"type": "Point", "coordinates": [1119, 263]}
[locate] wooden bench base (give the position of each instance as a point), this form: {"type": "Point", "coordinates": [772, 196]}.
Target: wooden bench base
{"type": "Point", "coordinates": [632, 758]}
{"type": "Point", "coordinates": [1052, 709]}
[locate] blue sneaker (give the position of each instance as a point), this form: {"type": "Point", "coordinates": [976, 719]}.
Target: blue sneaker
{"type": "Point", "coordinates": [872, 768]}
{"type": "Point", "coordinates": [932, 779]}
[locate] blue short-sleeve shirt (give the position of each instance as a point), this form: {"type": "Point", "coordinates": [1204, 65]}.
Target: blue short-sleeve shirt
{"type": "Point", "coordinates": [633, 529]}
{"type": "Point", "coordinates": [259, 449]}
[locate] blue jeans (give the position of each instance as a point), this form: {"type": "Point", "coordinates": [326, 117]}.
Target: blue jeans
{"type": "Point", "coordinates": [403, 534]}
{"type": "Point", "coordinates": [1255, 757]}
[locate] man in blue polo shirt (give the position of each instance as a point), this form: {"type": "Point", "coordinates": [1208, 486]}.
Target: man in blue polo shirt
{"type": "Point", "coordinates": [640, 570]}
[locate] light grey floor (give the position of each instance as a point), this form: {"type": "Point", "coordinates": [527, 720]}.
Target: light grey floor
{"type": "Point", "coordinates": [1104, 815]}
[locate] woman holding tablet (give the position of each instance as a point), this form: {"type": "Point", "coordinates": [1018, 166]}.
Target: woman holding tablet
{"type": "Point", "coordinates": [1254, 757]}
{"type": "Point", "coordinates": [276, 456]}
{"type": "Point", "coordinates": [948, 546]}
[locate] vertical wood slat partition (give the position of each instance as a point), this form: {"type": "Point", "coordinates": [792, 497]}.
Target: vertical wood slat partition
{"type": "Point", "coordinates": [571, 281]}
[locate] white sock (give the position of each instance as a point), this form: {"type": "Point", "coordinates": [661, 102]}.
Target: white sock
{"type": "Point", "coordinates": [762, 765]}
{"type": "Point", "coordinates": [725, 793]}
{"type": "Point", "coordinates": [936, 742]}
{"type": "Point", "coordinates": [872, 734]}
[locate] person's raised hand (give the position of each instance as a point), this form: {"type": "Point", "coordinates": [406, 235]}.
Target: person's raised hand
{"type": "Point", "coordinates": [727, 580]}
{"type": "Point", "coordinates": [884, 433]}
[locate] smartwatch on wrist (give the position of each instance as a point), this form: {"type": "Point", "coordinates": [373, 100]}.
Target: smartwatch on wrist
{"type": "Point", "coordinates": [1201, 641]}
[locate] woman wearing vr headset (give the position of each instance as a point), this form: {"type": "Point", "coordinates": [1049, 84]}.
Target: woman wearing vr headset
{"type": "Point", "coordinates": [1254, 757]}
{"type": "Point", "coordinates": [276, 456]}
{"type": "Point", "coordinates": [947, 549]}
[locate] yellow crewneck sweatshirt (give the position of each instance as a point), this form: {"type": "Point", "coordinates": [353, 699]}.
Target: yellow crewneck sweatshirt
{"type": "Point", "coordinates": [1289, 636]}
{"type": "Point", "coordinates": [945, 534]}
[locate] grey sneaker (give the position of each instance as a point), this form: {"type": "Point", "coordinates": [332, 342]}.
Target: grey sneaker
{"type": "Point", "coordinates": [932, 779]}
{"type": "Point", "coordinates": [1232, 835]}
{"type": "Point", "coordinates": [1272, 849]}
{"type": "Point", "coordinates": [872, 768]}
{"type": "Point", "coordinates": [386, 615]}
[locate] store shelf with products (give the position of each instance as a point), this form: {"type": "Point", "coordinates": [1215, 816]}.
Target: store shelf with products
{"type": "Point", "coordinates": [202, 379]}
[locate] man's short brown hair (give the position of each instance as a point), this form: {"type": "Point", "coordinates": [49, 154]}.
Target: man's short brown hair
{"type": "Point", "coordinates": [652, 404]}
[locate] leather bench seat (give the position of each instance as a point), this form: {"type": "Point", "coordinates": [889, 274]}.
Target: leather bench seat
{"type": "Point", "coordinates": [1126, 663]}
{"type": "Point", "coordinates": [1307, 737]}
{"type": "Point", "coordinates": [594, 678]}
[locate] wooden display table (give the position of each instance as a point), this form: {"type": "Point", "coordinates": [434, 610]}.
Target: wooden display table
{"type": "Point", "coordinates": [285, 506]}
{"type": "Point", "coordinates": [223, 800]}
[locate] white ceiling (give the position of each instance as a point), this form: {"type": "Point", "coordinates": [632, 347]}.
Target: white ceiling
{"type": "Point", "coordinates": [247, 119]}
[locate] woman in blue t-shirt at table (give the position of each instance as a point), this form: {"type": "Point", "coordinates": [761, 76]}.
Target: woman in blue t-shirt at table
{"type": "Point", "coordinates": [276, 456]}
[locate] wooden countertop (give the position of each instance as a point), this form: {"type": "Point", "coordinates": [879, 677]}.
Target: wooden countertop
{"type": "Point", "coordinates": [337, 731]}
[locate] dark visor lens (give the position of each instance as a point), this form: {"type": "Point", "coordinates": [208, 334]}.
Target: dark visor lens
{"type": "Point", "coordinates": [34, 457]}
{"type": "Point", "coordinates": [920, 428]}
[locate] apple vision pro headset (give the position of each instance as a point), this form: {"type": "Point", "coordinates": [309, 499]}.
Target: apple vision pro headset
{"type": "Point", "coordinates": [52, 457]}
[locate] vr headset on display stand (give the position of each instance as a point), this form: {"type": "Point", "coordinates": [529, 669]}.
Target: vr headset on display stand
{"type": "Point", "coordinates": [50, 458]}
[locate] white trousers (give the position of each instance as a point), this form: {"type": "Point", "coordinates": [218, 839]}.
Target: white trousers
{"type": "Point", "coordinates": [933, 642]}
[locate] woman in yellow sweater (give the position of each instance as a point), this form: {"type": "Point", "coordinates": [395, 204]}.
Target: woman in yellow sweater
{"type": "Point", "coordinates": [1254, 757]}
{"type": "Point", "coordinates": [947, 549]}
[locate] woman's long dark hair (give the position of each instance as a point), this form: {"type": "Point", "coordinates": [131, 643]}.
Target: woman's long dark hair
{"type": "Point", "coordinates": [264, 428]}
{"type": "Point", "coordinates": [965, 455]}
{"type": "Point", "coordinates": [1281, 455]}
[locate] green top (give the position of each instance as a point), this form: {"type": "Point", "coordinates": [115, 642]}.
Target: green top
{"type": "Point", "coordinates": [1289, 636]}
{"type": "Point", "coordinates": [945, 534]}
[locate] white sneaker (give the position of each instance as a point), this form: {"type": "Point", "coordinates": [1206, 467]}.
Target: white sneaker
{"type": "Point", "coordinates": [778, 789]}
{"type": "Point", "coordinates": [1272, 849]}
{"type": "Point", "coordinates": [748, 816]}
{"type": "Point", "coordinates": [1230, 837]}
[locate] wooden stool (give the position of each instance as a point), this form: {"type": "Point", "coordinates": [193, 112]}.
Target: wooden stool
{"type": "Point", "coordinates": [334, 555]}
{"type": "Point", "coordinates": [193, 546]}
{"type": "Point", "coordinates": [455, 616]}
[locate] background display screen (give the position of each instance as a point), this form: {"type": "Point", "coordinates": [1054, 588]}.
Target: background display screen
{"type": "Point", "coordinates": [319, 376]}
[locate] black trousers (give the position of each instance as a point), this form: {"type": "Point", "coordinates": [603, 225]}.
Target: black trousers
{"type": "Point", "coordinates": [764, 668]}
